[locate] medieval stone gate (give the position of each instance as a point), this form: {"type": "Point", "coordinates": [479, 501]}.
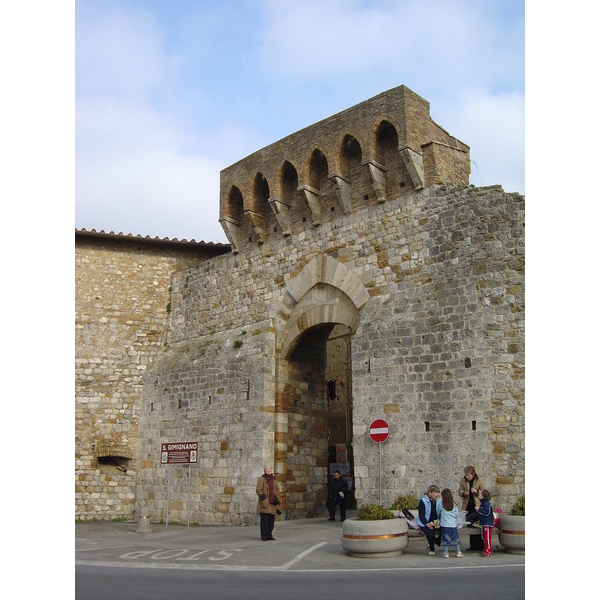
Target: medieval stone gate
{"type": "Point", "coordinates": [360, 257]}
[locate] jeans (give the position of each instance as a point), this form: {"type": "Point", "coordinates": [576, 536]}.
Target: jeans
{"type": "Point", "coordinates": [432, 537]}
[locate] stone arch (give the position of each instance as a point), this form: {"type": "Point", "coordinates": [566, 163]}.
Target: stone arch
{"type": "Point", "coordinates": [316, 190]}
{"type": "Point", "coordinates": [317, 168]}
{"type": "Point", "coordinates": [352, 181]}
{"type": "Point", "coordinates": [260, 194]}
{"type": "Point", "coordinates": [299, 213]}
{"type": "Point", "coordinates": [234, 204]}
{"type": "Point", "coordinates": [289, 182]}
{"type": "Point", "coordinates": [385, 143]}
{"type": "Point", "coordinates": [322, 269]}
{"type": "Point", "coordinates": [350, 152]}
{"type": "Point", "coordinates": [387, 171]}
{"type": "Point", "coordinates": [323, 304]}
{"type": "Point", "coordinates": [258, 209]}
{"type": "Point", "coordinates": [232, 217]}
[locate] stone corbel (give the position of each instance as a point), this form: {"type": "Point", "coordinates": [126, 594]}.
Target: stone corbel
{"type": "Point", "coordinates": [312, 197]}
{"type": "Point", "coordinates": [343, 190]}
{"type": "Point", "coordinates": [258, 225]}
{"type": "Point", "coordinates": [283, 214]}
{"type": "Point", "coordinates": [231, 227]}
{"type": "Point", "coordinates": [413, 161]}
{"type": "Point", "coordinates": [378, 178]}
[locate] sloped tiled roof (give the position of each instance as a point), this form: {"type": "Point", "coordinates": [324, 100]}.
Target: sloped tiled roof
{"type": "Point", "coordinates": [150, 240]}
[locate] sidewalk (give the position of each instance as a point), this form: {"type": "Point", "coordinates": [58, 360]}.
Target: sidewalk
{"type": "Point", "coordinates": [303, 544]}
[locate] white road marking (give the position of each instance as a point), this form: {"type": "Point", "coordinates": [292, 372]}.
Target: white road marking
{"type": "Point", "coordinates": [213, 567]}
{"type": "Point", "coordinates": [301, 556]}
{"type": "Point", "coordinates": [102, 548]}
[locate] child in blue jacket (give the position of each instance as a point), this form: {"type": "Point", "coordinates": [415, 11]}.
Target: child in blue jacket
{"type": "Point", "coordinates": [486, 520]}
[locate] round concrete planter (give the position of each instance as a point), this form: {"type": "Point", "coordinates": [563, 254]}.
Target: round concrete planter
{"type": "Point", "coordinates": [511, 533]}
{"type": "Point", "coordinates": [411, 532]}
{"type": "Point", "coordinates": [374, 539]}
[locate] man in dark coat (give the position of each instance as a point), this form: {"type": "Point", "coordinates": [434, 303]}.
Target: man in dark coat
{"type": "Point", "coordinates": [337, 495]}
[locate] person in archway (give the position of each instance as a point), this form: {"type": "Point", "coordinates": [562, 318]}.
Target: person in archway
{"type": "Point", "coordinates": [267, 490]}
{"type": "Point", "coordinates": [468, 490]}
{"type": "Point", "coordinates": [337, 495]}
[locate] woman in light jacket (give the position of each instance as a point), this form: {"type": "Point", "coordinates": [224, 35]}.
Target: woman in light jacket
{"type": "Point", "coordinates": [468, 491]}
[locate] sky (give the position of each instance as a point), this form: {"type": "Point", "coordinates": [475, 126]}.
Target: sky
{"type": "Point", "coordinates": [167, 94]}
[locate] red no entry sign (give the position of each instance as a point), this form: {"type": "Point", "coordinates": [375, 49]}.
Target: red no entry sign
{"type": "Point", "coordinates": [379, 431]}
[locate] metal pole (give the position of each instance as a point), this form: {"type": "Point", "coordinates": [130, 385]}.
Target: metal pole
{"type": "Point", "coordinates": [379, 474]}
{"type": "Point", "coordinates": [168, 487]}
{"type": "Point", "coordinates": [189, 466]}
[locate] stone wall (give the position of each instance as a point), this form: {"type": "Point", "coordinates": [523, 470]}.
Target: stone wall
{"type": "Point", "coordinates": [121, 296]}
{"type": "Point", "coordinates": [438, 351]}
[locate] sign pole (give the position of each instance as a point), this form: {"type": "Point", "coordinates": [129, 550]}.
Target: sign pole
{"type": "Point", "coordinates": [189, 467]}
{"type": "Point", "coordinates": [379, 474]}
{"type": "Point", "coordinates": [168, 488]}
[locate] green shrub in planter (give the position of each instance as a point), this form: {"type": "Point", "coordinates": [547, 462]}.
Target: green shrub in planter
{"type": "Point", "coordinates": [518, 508]}
{"type": "Point", "coordinates": [407, 501]}
{"type": "Point", "coordinates": [373, 512]}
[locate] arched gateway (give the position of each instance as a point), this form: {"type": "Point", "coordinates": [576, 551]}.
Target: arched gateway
{"type": "Point", "coordinates": [313, 403]}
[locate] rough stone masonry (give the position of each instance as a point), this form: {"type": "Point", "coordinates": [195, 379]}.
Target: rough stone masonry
{"type": "Point", "coordinates": [360, 255]}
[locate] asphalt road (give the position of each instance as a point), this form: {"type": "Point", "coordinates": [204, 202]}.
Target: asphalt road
{"type": "Point", "coordinates": [113, 560]}
{"type": "Point", "coordinates": [100, 583]}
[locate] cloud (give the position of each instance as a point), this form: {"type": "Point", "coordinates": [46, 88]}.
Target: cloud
{"type": "Point", "coordinates": [119, 52]}
{"type": "Point", "coordinates": [135, 175]}
{"type": "Point", "coordinates": [493, 125]}
{"type": "Point", "coordinates": [448, 42]}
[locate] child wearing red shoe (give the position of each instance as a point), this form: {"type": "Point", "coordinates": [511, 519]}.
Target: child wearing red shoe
{"type": "Point", "coordinates": [486, 520]}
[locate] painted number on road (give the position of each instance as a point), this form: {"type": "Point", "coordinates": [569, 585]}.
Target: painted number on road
{"type": "Point", "coordinates": [178, 554]}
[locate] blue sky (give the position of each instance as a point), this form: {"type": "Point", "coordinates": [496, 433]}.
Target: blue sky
{"type": "Point", "coordinates": [169, 93]}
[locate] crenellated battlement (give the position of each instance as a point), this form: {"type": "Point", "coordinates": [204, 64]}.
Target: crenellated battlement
{"type": "Point", "coordinates": [384, 148]}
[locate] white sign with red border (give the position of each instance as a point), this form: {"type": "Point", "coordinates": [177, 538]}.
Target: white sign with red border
{"type": "Point", "coordinates": [379, 431]}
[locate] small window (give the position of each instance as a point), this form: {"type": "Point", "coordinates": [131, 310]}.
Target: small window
{"type": "Point", "coordinates": [113, 464]}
